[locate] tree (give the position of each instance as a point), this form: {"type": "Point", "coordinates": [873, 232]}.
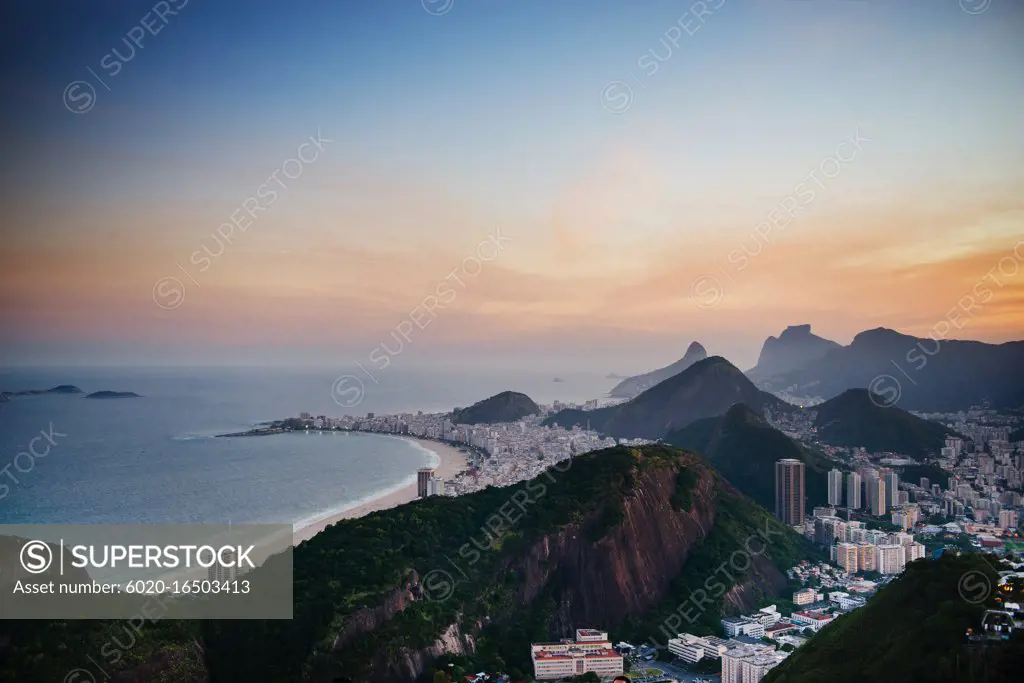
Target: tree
{"type": "Point", "coordinates": [440, 677]}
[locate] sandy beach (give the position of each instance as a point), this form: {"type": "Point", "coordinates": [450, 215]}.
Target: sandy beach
{"type": "Point", "coordinates": [452, 461]}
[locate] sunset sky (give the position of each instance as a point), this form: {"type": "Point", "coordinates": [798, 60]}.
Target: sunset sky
{"type": "Point", "coordinates": [628, 177]}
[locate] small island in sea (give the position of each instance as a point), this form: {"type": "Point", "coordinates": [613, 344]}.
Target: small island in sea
{"type": "Point", "coordinates": [558, 379]}
{"type": "Point", "coordinates": [113, 394]}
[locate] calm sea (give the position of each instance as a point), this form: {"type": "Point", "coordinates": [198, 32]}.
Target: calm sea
{"type": "Point", "coordinates": [154, 459]}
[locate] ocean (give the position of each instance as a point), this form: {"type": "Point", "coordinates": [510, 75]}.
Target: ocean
{"type": "Point", "coordinates": [154, 460]}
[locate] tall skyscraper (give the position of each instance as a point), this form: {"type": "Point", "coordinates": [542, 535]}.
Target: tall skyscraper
{"type": "Point", "coordinates": [423, 481]}
{"type": "Point", "coordinates": [892, 489]}
{"type": "Point", "coordinates": [877, 499]}
{"type": "Point", "coordinates": [853, 491]}
{"type": "Point", "coordinates": [835, 487]}
{"type": "Point", "coordinates": [789, 491]}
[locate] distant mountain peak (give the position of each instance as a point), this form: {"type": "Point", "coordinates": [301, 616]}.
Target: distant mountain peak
{"type": "Point", "coordinates": [857, 417]}
{"type": "Point", "coordinates": [708, 388]}
{"type": "Point", "coordinates": [877, 334]}
{"type": "Point", "coordinates": [796, 331]}
{"type": "Point", "coordinates": [793, 348]}
{"type": "Point", "coordinates": [634, 386]}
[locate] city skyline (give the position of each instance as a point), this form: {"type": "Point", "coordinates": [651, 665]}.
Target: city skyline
{"type": "Point", "coordinates": [626, 195]}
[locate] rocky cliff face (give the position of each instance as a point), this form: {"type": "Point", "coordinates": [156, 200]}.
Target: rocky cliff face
{"type": "Point", "coordinates": [622, 574]}
{"type": "Point", "coordinates": [409, 664]}
{"type": "Point", "coordinates": [628, 570]}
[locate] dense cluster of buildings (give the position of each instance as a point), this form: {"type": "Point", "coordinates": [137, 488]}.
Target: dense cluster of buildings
{"type": "Point", "coordinates": [742, 661]}
{"type": "Point", "coordinates": [979, 495]}
{"type": "Point", "coordinates": [592, 651]}
{"type": "Point", "coordinates": [515, 451]}
{"type": "Point", "coordinates": [979, 490]}
{"type": "Point", "coordinates": [856, 548]}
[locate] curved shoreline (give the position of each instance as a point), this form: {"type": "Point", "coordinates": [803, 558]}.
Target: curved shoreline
{"type": "Point", "coordinates": [448, 461]}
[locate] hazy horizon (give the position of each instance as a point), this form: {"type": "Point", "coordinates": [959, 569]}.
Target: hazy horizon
{"type": "Point", "coordinates": [569, 187]}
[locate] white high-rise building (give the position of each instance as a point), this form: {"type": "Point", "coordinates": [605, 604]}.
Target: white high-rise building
{"type": "Point", "coordinates": [892, 489]}
{"type": "Point", "coordinates": [220, 572]}
{"type": "Point", "coordinates": [876, 495]}
{"type": "Point", "coordinates": [435, 486]}
{"type": "Point", "coordinates": [835, 487]}
{"type": "Point", "coordinates": [853, 487]}
{"type": "Point", "coordinates": [891, 559]}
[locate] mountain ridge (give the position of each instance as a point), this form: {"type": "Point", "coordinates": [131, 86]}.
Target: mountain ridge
{"type": "Point", "coordinates": [793, 348]}
{"type": "Point", "coordinates": [919, 373]}
{"type": "Point", "coordinates": [630, 387]}
{"type": "Point", "coordinates": [858, 417]}
{"type": "Point", "coordinates": [706, 389]}
{"type": "Point", "coordinates": [744, 448]}
{"type": "Point", "coordinates": [913, 629]}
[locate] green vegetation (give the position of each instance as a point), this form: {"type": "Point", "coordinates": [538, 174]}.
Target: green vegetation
{"type": "Point", "coordinates": [452, 561]}
{"type": "Point", "coordinates": [855, 418]}
{"type": "Point", "coordinates": [912, 630]}
{"type": "Point", "coordinates": [682, 499]}
{"type": "Point", "coordinates": [744, 448]}
{"type": "Point", "coordinates": [745, 535]}
{"type": "Point", "coordinates": [47, 650]}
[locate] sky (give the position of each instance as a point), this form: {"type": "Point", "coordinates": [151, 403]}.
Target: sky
{"type": "Point", "coordinates": [588, 185]}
